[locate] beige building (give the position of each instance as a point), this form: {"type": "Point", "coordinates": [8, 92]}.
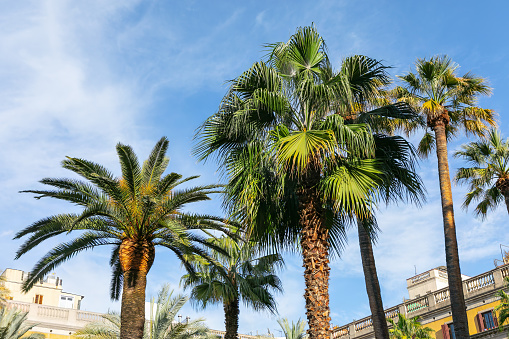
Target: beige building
{"type": "Point", "coordinates": [56, 313]}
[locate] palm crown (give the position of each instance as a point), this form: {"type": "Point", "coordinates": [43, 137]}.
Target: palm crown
{"type": "Point", "coordinates": [439, 93]}
{"type": "Point", "coordinates": [133, 214]}
{"type": "Point", "coordinates": [296, 171]}
{"type": "Point", "coordinates": [488, 178]}
{"type": "Point", "coordinates": [240, 275]}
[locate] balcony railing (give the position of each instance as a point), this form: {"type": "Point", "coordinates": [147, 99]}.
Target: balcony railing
{"type": "Point", "coordinates": [482, 283]}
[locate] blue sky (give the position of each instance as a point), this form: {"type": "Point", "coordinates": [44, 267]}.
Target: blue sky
{"type": "Point", "coordinates": [78, 77]}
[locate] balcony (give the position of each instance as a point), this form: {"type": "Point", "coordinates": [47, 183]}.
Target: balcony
{"type": "Point", "coordinates": [55, 317]}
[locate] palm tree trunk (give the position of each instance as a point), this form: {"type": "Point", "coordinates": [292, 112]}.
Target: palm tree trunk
{"type": "Point", "coordinates": [459, 315]}
{"type": "Point", "coordinates": [136, 258]}
{"type": "Point", "coordinates": [231, 319]}
{"type": "Point", "coordinates": [315, 257]}
{"type": "Point", "coordinates": [372, 285]}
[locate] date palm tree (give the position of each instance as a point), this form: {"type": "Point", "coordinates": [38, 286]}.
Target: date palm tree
{"type": "Point", "coordinates": [13, 325]}
{"type": "Point", "coordinates": [241, 275]}
{"type": "Point", "coordinates": [296, 172]}
{"type": "Point", "coordinates": [447, 102]}
{"type": "Point", "coordinates": [488, 178]}
{"type": "Point", "coordinates": [161, 324]}
{"type": "Point", "coordinates": [133, 214]}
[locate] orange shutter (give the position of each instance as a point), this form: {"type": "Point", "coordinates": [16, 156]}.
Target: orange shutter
{"type": "Point", "coordinates": [480, 322]}
{"type": "Point", "coordinates": [495, 320]}
{"type": "Point", "coordinates": [445, 331]}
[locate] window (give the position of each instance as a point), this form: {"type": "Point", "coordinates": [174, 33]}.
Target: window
{"type": "Point", "coordinates": [66, 301]}
{"type": "Point", "coordinates": [487, 320]}
{"type": "Point", "coordinates": [38, 299]}
{"type": "Point", "coordinates": [448, 331]}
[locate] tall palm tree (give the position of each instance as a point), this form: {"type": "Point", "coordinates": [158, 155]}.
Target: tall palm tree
{"type": "Point", "coordinates": [161, 324]}
{"type": "Point", "coordinates": [293, 330]}
{"type": "Point", "coordinates": [447, 103]}
{"type": "Point", "coordinates": [488, 178]}
{"type": "Point", "coordinates": [13, 325]}
{"type": "Point", "coordinates": [409, 329]}
{"type": "Point", "coordinates": [296, 172]}
{"type": "Point", "coordinates": [240, 275]}
{"type": "Point", "coordinates": [132, 214]}
{"type": "Point", "coordinates": [396, 158]}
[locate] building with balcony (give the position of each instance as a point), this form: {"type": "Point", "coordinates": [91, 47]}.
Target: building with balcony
{"type": "Point", "coordinates": [429, 299]}
{"type": "Point", "coordinates": [55, 313]}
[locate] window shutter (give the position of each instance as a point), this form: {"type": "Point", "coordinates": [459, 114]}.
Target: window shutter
{"type": "Point", "coordinates": [445, 332]}
{"type": "Point", "coordinates": [480, 321]}
{"type": "Point", "coordinates": [495, 320]}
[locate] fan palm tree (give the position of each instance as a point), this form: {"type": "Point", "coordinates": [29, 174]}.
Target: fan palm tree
{"type": "Point", "coordinates": [132, 214]}
{"type": "Point", "coordinates": [160, 325]}
{"type": "Point", "coordinates": [396, 158]}
{"type": "Point", "coordinates": [13, 325]}
{"type": "Point", "coordinates": [488, 179]}
{"type": "Point", "coordinates": [409, 329]}
{"type": "Point", "coordinates": [293, 330]}
{"type": "Point", "coordinates": [241, 275]}
{"type": "Point", "coordinates": [296, 172]}
{"type": "Point", "coordinates": [447, 103]}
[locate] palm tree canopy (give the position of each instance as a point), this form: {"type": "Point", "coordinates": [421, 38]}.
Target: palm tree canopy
{"type": "Point", "coordinates": [489, 159]}
{"type": "Point", "coordinates": [293, 330]}
{"type": "Point", "coordinates": [13, 325]}
{"type": "Point", "coordinates": [438, 92]}
{"type": "Point", "coordinates": [408, 328]}
{"type": "Point", "coordinates": [161, 323]}
{"type": "Point", "coordinates": [143, 205]}
{"type": "Point", "coordinates": [241, 273]}
{"type": "Point", "coordinates": [281, 120]}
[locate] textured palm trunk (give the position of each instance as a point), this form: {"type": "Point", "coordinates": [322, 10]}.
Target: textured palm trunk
{"type": "Point", "coordinates": [231, 319]}
{"type": "Point", "coordinates": [459, 315]}
{"type": "Point", "coordinates": [315, 257]}
{"type": "Point", "coordinates": [503, 186]}
{"type": "Point", "coordinates": [372, 285]}
{"type": "Point", "coordinates": [136, 258]}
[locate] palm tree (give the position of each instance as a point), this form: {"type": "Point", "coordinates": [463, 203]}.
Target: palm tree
{"type": "Point", "coordinates": [409, 329]}
{"type": "Point", "coordinates": [284, 151]}
{"type": "Point", "coordinates": [503, 307]}
{"type": "Point", "coordinates": [488, 179]}
{"type": "Point", "coordinates": [13, 325]}
{"type": "Point", "coordinates": [293, 330]}
{"type": "Point", "coordinates": [396, 158]}
{"type": "Point", "coordinates": [447, 103]}
{"type": "Point", "coordinates": [241, 275]}
{"type": "Point", "coordinates": [133, 214]}
{"type": "Point", "coordinates": [160, 325]}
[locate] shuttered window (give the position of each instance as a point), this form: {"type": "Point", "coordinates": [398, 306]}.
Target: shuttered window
{"type": "Point", "coordinates": [448, 331]}
{"type": "Point", "coordinates": [38, 299]}
{"type": "Point", "coordinates": [487, 320]}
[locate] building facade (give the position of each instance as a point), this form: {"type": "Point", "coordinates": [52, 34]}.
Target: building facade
{"type": "Point", "coordinates": [429, 299]}
{"type": "Point", "coordinates": [55, 313]}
